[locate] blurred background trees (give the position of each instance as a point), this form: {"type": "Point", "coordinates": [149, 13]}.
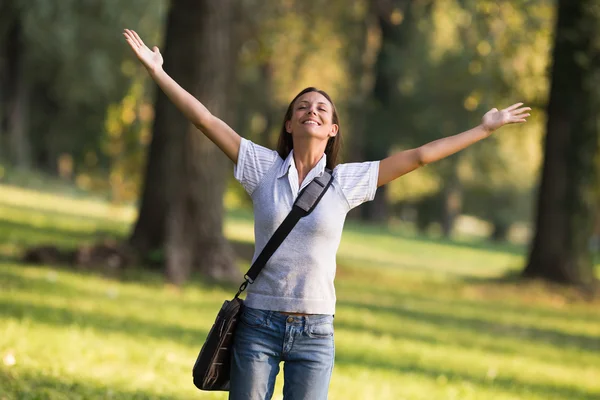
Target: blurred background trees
{"type": "Point", "coordinates": [569, 190]}
{"type": "Point", "coordinates": [79, 110]}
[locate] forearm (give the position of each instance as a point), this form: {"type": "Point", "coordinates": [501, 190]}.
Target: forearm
{"type": "Point", "coordinates": [189, 106]}
{"type": "Point", "coordinates": [406, 161]}
{"type": "Point", "coordinates": [447, 146]}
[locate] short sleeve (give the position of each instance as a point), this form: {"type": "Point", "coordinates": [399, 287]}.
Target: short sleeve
{"type": "Point", "coordinates": [252, 164]}
{"type": "Point", "coordinates": [358, 181]}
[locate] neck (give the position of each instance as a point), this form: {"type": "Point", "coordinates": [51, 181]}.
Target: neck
{"type": "Point", "coordinates": [307, 155]}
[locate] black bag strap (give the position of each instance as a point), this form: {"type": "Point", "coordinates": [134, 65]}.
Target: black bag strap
{"type": "Point", "coordinates": [306, 202]}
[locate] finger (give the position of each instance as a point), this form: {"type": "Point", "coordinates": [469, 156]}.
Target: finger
{"type": "Point", "coordinates": [521, 110]}
{"type": "Point", "coordinates": [132, 44]}
{"type": "Point", "coordinates": [136, 50]}
{"type": "Point", "coordinates": [139, 39]}
{"type": "Point", "coordinates": [130, 39]}
{"type": "Point", "coordinates": [514, 106]}
{"type": "Point", "coordinates": [133, 37]}
{"type": "Point", "coordinates": [516, 121]}
{"type": "Point", "coordinates": [127, 33]}
{"type": "Point", "coordinates": [520, 116]}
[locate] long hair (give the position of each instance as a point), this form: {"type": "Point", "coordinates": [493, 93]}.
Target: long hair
{"type": "Point", "coordinates": [285, 143]}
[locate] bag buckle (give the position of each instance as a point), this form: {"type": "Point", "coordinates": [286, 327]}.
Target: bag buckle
{"type": "Point", "coordinates": [243, 286]}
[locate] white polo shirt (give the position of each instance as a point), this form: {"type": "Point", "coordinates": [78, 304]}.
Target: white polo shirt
{"type": "Point", "coordinates": [299, 276]}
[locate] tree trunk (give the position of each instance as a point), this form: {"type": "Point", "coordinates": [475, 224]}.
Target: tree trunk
{"type": "Point", "coordinates": [268, 109]}
{"type": "Point", "coordinates": [452, 206]}
{"type": "Point", "coordinates": [360, 60]}
{"type": "Point", "coordinates": [17, 98]}
{"type": "Point", "coordinates": [568, 195]}
{"type": "Point", "coordinates": [384, 96]}
{"type": "Point", "coordinates": [149, 231]}
{"type": "Point", "coordinates": [168, 127]}
{"type": "Point", "coordinates": [3, 99]}
{"type": "Point", "coordinates": [500, 231]}
{"type": "Point", "coordinates": [199, 170]}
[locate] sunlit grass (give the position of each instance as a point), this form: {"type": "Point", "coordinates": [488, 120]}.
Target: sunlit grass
{"type": "Point", "coordinates": [416, 319]}
{"type": "Point", "coordinates": [78, 207]}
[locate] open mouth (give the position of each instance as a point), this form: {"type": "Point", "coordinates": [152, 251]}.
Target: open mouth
{"type": "Point", "coordinates": [310, 122]}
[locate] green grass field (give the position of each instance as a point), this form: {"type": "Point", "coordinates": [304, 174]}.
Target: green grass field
{"type": "Point", "coordinates": [417, 318]}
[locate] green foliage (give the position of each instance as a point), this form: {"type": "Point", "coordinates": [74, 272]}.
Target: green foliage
{"type": "Point", "coordinates": [463, 58]}
{"type": "Point", "coordinates": [77, 66]}
{"type": "Point", "coordinates": [291, 45]}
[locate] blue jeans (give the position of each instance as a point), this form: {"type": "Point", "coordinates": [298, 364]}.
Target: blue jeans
{"type": "Point", "coordinates": [265, 338]}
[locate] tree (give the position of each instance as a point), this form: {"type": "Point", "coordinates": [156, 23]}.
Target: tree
{"type": "Point", "coordinates": [568, 195]}
{"type": "Point", "coordinates": [395, 20]}
{"type": "Point", "coordinates": [16, 87]}
{"type": "Point", "coordinates": [57, 85]}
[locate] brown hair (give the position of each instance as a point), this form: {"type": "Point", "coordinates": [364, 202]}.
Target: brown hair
{"type": "Point", "coordinates": [285, 143]}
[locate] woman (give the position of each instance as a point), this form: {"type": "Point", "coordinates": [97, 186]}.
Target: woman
{"type": "Point", "coordinates": [288, 313]}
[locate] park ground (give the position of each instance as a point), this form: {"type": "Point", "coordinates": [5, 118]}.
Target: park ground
{"type": "Point", "coordinates": [417, 318]}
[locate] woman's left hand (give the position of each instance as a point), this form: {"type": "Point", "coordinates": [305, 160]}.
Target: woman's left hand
{"type": "Point", "coordinates": [495, 119]}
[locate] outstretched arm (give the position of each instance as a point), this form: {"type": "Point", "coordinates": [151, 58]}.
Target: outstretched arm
{"type": "Point", "coordinates": [405, 161]}
{"type": "Point", "coordinates": [215, 129]}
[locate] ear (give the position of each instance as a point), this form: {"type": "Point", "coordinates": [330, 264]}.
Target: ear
{"type": "Point", "coordinates": [334, 130]}
{"type": "Point", "coordinates": [288, 126]}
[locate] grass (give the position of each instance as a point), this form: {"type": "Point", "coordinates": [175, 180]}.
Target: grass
{"type": "Point", "coordinates": [417, 318]}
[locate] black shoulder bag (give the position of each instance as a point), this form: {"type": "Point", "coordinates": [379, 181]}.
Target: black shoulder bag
{"type": "Point", "coordinates": [212, 367]}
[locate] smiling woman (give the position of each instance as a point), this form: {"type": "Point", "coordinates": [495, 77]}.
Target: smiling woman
{"type": "Point", "coordinates": [289, 308]}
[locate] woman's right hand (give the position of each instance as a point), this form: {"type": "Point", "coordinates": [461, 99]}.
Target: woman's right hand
{"type": "Point", "coordinates": [152, 59]}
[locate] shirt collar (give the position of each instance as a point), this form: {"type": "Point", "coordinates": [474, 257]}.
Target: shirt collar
{"type": "Point", "coordinates": [289, 161]}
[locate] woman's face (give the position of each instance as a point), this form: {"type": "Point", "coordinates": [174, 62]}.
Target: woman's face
{"type": "Point", "coordinates": [312, 116]}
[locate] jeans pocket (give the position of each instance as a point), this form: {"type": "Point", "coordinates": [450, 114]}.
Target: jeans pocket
{"type": "Point", "coordinates": [253, 318]}
{"type": "Point", "coordinates": [321, 330]}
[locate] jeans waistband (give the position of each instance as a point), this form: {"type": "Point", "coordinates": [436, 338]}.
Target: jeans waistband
{"type": "Point", "coordinates": [281, 317]}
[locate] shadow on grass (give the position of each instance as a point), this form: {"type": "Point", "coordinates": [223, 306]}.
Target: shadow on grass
{"type": "Point", "coordinates": [475, 244]}
{"type": "Point", "coordinates": [481, 342]}
{"type": "Point", "coordinates": [444, 320]}
{"type": "Point", "coordinates": [10, 279]}
{"type": "Point", "coordinates": [25, 235]}
{"type": "Point", "coordinates": [418, 266]}
{"type": "Point", "coordinates": [100, 322]}
{"type": "Point", "coordinates": [28, 386]}
{"type": "Point", "coordinates": [492, 307]}
{"type": "Point", "coordinates": [506, 384]}
{"type": "Point", "coordinates": [9, 231]}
